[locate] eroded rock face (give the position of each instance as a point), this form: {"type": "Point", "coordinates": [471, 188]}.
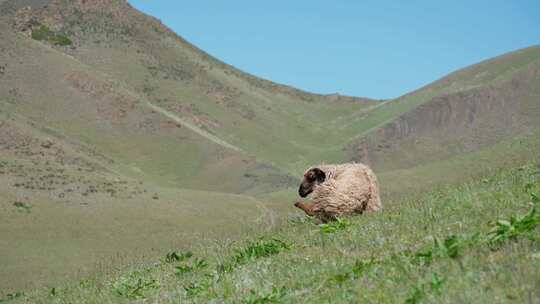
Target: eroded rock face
{"type": "Point", "coordinates": [30, 18]}
{"type": "Point", "coordinates": [11, 6]}
{"type": "Point", "coordinates": [111, 104]}
{"type": "Point", "coordinates": [455, 123]}
{"type": "Point", "coordinates": [57, 14]}
{"type": "Point", "coordinates": [24, 20]}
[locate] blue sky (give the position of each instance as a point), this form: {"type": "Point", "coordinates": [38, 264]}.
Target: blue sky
{"type": "Point", "coordinates": [378, 49]}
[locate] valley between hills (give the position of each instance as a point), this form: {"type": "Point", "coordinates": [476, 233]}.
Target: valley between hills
{"type": "Point", "coordinates": [121, 141]}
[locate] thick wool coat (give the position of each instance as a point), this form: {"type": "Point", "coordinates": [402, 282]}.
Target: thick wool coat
{"type": "Point", "coordinates": [348, 189]}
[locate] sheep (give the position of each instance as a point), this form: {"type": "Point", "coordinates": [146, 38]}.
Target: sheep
{"type": "Point", "coordinates": [337, 190]}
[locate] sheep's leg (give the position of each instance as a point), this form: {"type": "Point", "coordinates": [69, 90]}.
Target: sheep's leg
{"type": "Point", "coordinates": [307, 207]}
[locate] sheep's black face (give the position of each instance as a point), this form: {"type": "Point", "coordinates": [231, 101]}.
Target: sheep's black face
{"type": "Point", "coordinates": [311, 179]}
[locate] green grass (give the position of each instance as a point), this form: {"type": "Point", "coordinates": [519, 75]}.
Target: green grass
{"type": "Point", "coordinates": [282, 131]}
{"type": "Point", "coordinates": [429, 175]}
{"type": "Point", "coordinates": [62, 223]}
{"type": "Point", "coordinates": [140, 116]}
{"type": "Point", "coordinates": [476, 242]}
{"type": "Point", "coordinates": [43, 33]}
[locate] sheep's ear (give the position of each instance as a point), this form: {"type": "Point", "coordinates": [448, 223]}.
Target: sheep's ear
{"type": "Point", "coordinates": [320, 176]}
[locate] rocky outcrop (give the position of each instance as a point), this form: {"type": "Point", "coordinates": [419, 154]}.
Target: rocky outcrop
{"type": "Point", "coordinates": [455, 123]}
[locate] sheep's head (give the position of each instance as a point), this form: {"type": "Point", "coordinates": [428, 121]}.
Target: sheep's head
{"type": "Point", "coordinates": [312, 178]}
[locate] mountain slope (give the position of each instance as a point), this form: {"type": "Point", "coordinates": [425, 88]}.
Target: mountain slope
{"type": "Point", "coordinates": [271, 122]}
{"type": "Point", "coordinates": [96, 163]}
{"type": "Point", "coordinates": [65, 209]}
{"type": "Point", "coordinates": [119, 138]}
{"type": "Point", "coordinates": [476, 242]}
{"type": "Point", "coordinates": [46, 86]}
{"type": "Point", "coordinates": [480, 106]}
{"type": "Point", "coordinates": [277, 129]}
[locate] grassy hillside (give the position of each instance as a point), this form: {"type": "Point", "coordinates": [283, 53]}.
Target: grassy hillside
{"type": "Point", "coordinates": [477, 242]}
{"type": "Point", "coordinates": [120, 140]}
{"type": "Point", "coordinates": [475, 108]}
{"type": "Point", "coordinates": [46, 87]}
{"type": "Point", "coordinates": [64, 213]}
{"type": "Point", "coordinates": [265, 131]}
{"type": "Point", "coordinates": [115, 47]}
{"type": "Point", "coordinates": [431, 174]}
{"type": "Point", "coordinates": [96, 164]}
